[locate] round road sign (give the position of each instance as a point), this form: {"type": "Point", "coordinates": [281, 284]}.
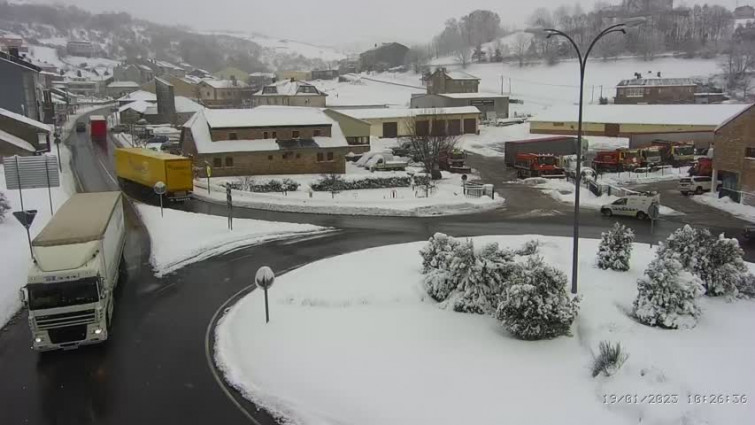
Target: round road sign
{"type": "Point", "coordinates": [160, 188]}
{"type": "Point", "coordinates": [264, 277]}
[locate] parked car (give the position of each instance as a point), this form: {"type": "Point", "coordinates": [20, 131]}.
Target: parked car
{"type": "Point", "coordinates": [119, 128]}
{"type": "Point", "coordinates": [81, 126]}
{"type": "Point", "coordinates": [695, 184]}
{"type": "Point", "coordinates": [636, 205]}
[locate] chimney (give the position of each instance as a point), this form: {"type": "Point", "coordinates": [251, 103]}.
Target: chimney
{"type": "Point", "coordinates": [13, 51]}
{"type": "Point", "coordinates": [233, 81]}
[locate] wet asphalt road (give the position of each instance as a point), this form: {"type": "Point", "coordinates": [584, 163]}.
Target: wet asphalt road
{"type": "Point", "coordinates": [154, 369]}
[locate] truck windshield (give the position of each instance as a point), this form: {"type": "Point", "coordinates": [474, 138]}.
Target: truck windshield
{"type": "Point", "coordinates": [62, 294]}
{"type": "Point", "coordinates": [685, 150]}
{"type": "Point", "coordinates": [548, 160]}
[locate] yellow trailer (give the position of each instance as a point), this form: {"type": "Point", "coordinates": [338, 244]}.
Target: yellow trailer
{"type": "Point", "coordinates": [146, 167]}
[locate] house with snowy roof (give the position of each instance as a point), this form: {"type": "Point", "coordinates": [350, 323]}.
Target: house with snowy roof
{"type": "Point", "coordinates": [118, 89]}
{"type": "Point", "coordinates": [290, 93]}
{"type": "Point", "coordinates": [445, 81]}
{"type": "Point", "coordinates": [265, 140]}
{"type": "Point", "coordinates": [221, 94]}
{"type": "Point", "coordinates": [656, 91]}
{"type": "Point", "coordinates": [21, 135]}
{"type": "Point", "coordinates": [142, 95]}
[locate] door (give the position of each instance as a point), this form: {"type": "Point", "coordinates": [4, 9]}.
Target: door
{"type": "Point", "coordinates": [454, 127]}
{"type": "Point", "coordinates": [390, 129]}
{"type": "Point", "coordinates": [422, 128]}
{"type": "Point", "coordinates": [470, 126]}
{"type": "Point", "coordinates": [612, 130]}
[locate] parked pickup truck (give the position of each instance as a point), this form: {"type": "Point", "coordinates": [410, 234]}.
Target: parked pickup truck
{"type": "Point", "coordinates": [695, 184]}
{"type": "Point", "coordinates": [381, 164]}
{"type": "Point", "coordinates": [77, 259]}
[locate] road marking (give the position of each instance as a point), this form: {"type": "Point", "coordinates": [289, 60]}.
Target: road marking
{"type": "Point", "coordinates": [107, 172]}
{"type": "Point", "coordinates": [210, 361]}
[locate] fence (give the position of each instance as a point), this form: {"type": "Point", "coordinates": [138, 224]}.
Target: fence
{"type": "Point", "coordinates": [477, 190]}
{"type": "Point", "coordinates": [600, 189]}
{"type": "Point", "coordinates": [744, 198]}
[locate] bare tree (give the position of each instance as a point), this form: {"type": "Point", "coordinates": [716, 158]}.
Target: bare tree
{"type": "Point", "coordinates": [737, 65]}
{"type": "Point", "coordinates": [430, 141]}
{"type": "Point", "coordinates": [521, 46]}
{"type": "Point", "coordinates": [463, 55]}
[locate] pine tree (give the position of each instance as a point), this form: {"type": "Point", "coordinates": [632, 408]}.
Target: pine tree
{"type": "Point", "coordinates": [481, 280]}
{"type": "Point", "coordinates": [535, 304]}
{"type": "Point", "coordinates": [616, 248]}
{"type": "Point", "coordinates": [438, 252]}
{"type": "Point", "coordinates": [725, 267]}
{"type": "Point", "coordinates": [690, 247]}
{"type": "Point", "coordinates": [667, 297]}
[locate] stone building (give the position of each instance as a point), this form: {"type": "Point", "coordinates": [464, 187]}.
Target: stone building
{"type": "Point", "coordinates": [656, 91]}
{"type": "Point", "coordinates": [224, 93]}
{"type": "Point", "coordinates": [445, 81]}
{"type": "Point", "coordinates": [265, 140]}
{"type": "Point", "coordinates": [383, 57]}
{"type": "Point", "coordinates": [734, 155]}
{"type": "Point", "coordinates": [290, 93]}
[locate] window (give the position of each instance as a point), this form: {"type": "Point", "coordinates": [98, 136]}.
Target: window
{"type": "Point", "coordinates": [233, 136]}
{"type": "Point", "coordinates": [217, 162]}
{"type": "Point", "coordinates": [264, 134]}
{"type": "Point", "coordinates": [634, 92]}
{"type": "Point", "coordinates": [275, 135]}
{"type": "Point", "coordinates": [750, 152]}
{"type": "Point", "coordinates": [229, 161]}
{"type": "Point", "coordinates": [295, 134]}
{"type": "Point", "coordinates": [320, 157]}
{"type": "Point", "coordinates": [318, 133]}
{"type": "Point", "coordinates": [622, 201]}
{"type": "Point", "coordinates": [269, 157]}
{"type": "Point", "coordinates": [558, 124]}
{"type": "Point", "coordinates": [330, 156]}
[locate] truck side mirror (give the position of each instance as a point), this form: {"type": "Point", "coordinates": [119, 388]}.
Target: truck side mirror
{"type": "Point", "coordinates": [22, 296]}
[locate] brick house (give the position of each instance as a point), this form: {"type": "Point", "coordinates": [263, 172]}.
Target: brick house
{"type": "Point", "coordinates": [734, 155]}
{"type": "Point", "coordinates": [383, 57]}
{"type": "Point", "coordinates": [444, 81]}
{"type": "Point", "coordinates": [656, 91]}
{"type": "Point", "coordinates": [20, 135]}
{"type": "Point", "coordinates": [265, 140]}
{"type": "Point", "coordinates": [224, 93]}
{"type": "Point", "coordinates": [289, 93]}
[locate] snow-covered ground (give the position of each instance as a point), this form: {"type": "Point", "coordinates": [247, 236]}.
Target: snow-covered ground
{"type": "Point", "coordinates": [289, 47]}
{"type": "Point", "coordinates": [174, 247]}
{"type": "Point", "coordinates": [14, 247]}
{"type": "Point", "coordinates": [363, 91]}
{"type": "Point", "coordinates": [366, 345]}
{"type": "Point", "coordinates": [745, 212]}
{"type": "Point", "coordinates": [447, 198]}
{"type": "Point", "coordinates": [563, 191]}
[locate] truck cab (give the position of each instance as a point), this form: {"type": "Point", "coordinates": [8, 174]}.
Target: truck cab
{"type": "Point", "coordinates": [538, 165]}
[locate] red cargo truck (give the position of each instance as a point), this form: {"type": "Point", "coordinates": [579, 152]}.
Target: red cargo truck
{"type": "Point", "coordinates": [97, 128]}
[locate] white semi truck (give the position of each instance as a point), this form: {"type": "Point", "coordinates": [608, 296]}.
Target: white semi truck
{"type": "Point", "coordinates": [77, 258]}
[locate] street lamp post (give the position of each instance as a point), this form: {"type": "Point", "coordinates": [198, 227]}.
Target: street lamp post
{"type": "Point", "coordinates": [582, 63]}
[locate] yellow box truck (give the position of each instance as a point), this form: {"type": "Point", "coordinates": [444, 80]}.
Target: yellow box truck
{"type": "Point", "coordinates": [145, 167]}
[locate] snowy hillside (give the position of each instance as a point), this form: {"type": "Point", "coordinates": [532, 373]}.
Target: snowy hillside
{"type": "Point", "coordinates": [278, 46]}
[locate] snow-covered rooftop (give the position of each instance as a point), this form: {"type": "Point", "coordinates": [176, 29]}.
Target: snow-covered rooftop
{"type": "Point", "coordinates": [266, 116]}
{"type": "Point", "coordinates": [365, 114]}
{"type": "Point", "coordinates": [472, 95]}
{"type": "Point", "coordinates": [225, 84]}
{"type": "Point", "coordinates": [200, 125]}
{"type": "Point", "coordinates": [16, 141]}
{"type": "Point", "coordinates": [124, 84]}
{"type": "Point", "coordinates": [711, 115]}
{"type": "Point", "coordinates": [25, 120]}
{"type": "Point", "coordinates": [183, 105]}
{"type": "Point", "coordinates": [290, 88]}
{"type": "Point", "coordinates": [139, 106]}
{"type": "Point", "coordinates": [139, 95]}
{"type": "Point", "coordinates": [657, 82]}
{"type": "Point", "coordinates": [459, 75]}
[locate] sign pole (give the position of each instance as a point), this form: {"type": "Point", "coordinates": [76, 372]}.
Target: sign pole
{"type": "Point", "coordinates": [20, 192]}
{"type": "Point", "coordinates": [264, 279]}
{"type": "Point", "coordinates": [49, 191]}
{"type": "Point", "coordinates": [267, 310]}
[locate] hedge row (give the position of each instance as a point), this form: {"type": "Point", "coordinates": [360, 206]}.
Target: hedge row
{"type": "Point", "coordinates": [285, 185]}
{"type": "Point", "coordinates": [337, 183]}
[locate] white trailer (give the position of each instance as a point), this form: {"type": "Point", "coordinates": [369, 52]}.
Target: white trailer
{"type": "Point", "coordinates": [77, 258]}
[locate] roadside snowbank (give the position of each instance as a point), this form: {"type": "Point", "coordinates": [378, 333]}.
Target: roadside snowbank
{"type": "Point", "coordinates": [366, 345]}
{"type": "Point", "coordinates": [745, 212]}
{"type": "Point", "coordinates": [181, 238]}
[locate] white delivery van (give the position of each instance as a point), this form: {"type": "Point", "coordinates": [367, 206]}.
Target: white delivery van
{"type": "Point", "coordinates": [634, 205]}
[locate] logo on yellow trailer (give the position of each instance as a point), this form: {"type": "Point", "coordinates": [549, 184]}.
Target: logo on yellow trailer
{"type": "Point", "coordinates": [209, 171]}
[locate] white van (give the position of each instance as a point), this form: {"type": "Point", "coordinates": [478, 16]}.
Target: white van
{"type": "Point", "coordinates": [636, 205]}
{"type": "Point", "coordinates": [695, 184]}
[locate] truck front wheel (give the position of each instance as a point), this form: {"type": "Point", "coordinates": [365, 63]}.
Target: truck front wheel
{"type": "Point", "coordinates": [641, 215]}
{"type": "Point", "coordinates": [606, 212]}
{"type": "Point", "coordinates": [699, 190]}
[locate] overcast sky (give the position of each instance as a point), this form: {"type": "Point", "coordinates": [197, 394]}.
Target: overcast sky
{"type": "Point", "coordinates": [331, 22]}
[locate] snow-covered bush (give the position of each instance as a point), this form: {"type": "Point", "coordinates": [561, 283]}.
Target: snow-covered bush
{"type": "Point", "coordinates": [746, 286]}
{"type": "Point", "coordinates": [335, 182]}
{"type": "Point", "coordinates": [609, 360]}
{"type": "Point", "coordinates": [4, 206]}
{"type": "Point", "coordinates": [689, 246]}
{"type": "Point", "coordinates": [615, 248]}
{"type": "Point", "coordinates": [439, 284]}
{"type": "Point", "coordinates": [531, 247]}
{"type": "Point", "coordinates": [250, 185]}
{"type": "Point", "coordinates": [438, 252]}
{"type": "Point", "coordinates": [668, 295]}
{"type": "Point", "coordinates": [535, 304]}
{"type": "Point", "coordinates": [725, 267]}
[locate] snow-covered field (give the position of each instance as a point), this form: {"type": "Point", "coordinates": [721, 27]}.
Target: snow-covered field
{"type": "Point", "coordinates": [366, 345]}
{"type": "Point", "coordinates": [745, 212]}
{"type": "Point", "coordinates": [174, 247]}
{"type": "Point", "coordinates": [362, 91]}
{"type": "Point", "coordinates": [563, 191]}
{"type": "Point", "coordinates": [447, 198]}
{"type": "Point", "coordinates": [14, 247]}
{"type": "Point", "coordinates": [290, 47]}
